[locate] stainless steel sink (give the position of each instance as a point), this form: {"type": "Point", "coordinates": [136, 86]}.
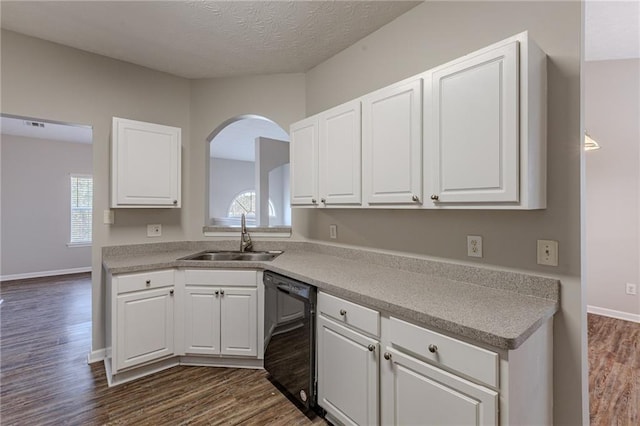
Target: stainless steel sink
{"type": "Point", "coordinates": [234, 255]}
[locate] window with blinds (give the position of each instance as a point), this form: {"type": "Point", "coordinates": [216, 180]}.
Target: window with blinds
{"type": "Point", "coordinates": [81, 209]}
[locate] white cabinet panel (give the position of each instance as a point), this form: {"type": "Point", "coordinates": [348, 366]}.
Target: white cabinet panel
{"type": "Point", "coordinates": [202, 320]}
{"type": "Point", "coordinates": [238, 321]}
{"type": "Point", "coordinates": [144, 327]}
{"type": "Point", "coordinates": [392, 144]}
{"type": "Point", "coordinates": [475, 128]}
{"type": "Point", "coordinates": [485, 129]}
{"type": "Point", "coordinates": [347, 374]}
{"type": "Point", "coordinates": [145, 167]}
{"type": "Point", "coordinates": [304, 162]}
{"type": "Point", "coordinates": [420, 394]}
{"type": "Point", "coordinates": [340, 155]}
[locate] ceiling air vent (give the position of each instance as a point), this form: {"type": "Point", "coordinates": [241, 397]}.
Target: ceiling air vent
{"type": "Point", "coordinates": [33, 123]}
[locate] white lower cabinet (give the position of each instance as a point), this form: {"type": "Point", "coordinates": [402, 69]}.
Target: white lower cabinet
{"type": "Point", "coordinates": [140, 318]}
{"type": "Point", "coordinates": [144, 326]}
{"type": "Point", "coordinates": [221, 313]}
{"type": "Point", "coordinates": [159, 319]}
{"type": "Point", "coordinates": [417, 393]}
{"type": "Point", "coordinates": [376, 369]}
{"type": "Point", "coordinates": [347, 374]}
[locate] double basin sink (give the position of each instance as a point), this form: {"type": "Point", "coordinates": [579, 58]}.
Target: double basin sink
{"type": "Point", "coordinates": [230, 255]}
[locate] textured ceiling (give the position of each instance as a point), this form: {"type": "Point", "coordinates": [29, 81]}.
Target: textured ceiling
{"type": "Point", "coordinates": [612, 30]}
{"type": "Point", "coordinates": [200, 39]}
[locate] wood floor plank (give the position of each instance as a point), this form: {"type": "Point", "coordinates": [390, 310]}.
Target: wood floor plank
{"type": "Point", "coordinates": [45, 336]}
{"type": "Point", "coordinates": [614, 371]}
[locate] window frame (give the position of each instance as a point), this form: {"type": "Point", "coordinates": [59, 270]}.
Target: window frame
{"type": "Point", "coordinates": [72, 209]}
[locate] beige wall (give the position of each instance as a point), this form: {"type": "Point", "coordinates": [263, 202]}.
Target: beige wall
{"type": "Point", "coordinates": [428, 35]}
{"type": "Point", "coordinates": [48, 81]}
{"type": "Point", "coordinates": [36, 205]}
{"type": "Point", "coordinates": [612, 108]}
{"type": "Point", "coordinates": [278, 97]}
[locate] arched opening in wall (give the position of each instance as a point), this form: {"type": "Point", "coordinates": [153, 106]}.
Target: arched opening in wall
{"type": "Point", "coordinates": [248, 170]}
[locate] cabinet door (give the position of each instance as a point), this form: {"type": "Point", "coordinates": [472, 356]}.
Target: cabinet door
{"type": "Point", "coordinates": [392, 144]}
{"type": "Point", "coordinates": [238, 321]}
{"type": "Point", "coordinates": [202, 320]}
{"type": "Point", "coordinates": [416, 393]}
{"type": "Point", "coordinates": [145, 164]}
{"type": "Point", "coordinates": [473, 134]}
{"type": "Point", "coordinates": [340, 155]}
{"type": "Point", "coordinates": [304, 162]}
{"type": "Point", "coordinates": [144, 326]}
{"type": "Point", "coordinates": [347, 374]}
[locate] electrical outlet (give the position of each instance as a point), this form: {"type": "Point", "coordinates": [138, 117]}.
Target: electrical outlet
{"type": "Point", "coordinates": [333, 231]}
{"type": "Point", "coordinates": [154, 230]}
{"type": "Point", "coordinates": [548, 252]}
{"type": "Point", "coordinates": [474, 246]}
{"type": "Point", "coordinates": [631, 289]}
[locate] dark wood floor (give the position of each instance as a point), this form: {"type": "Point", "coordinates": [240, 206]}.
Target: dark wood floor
{"type": "Point", "coordinates": [45, 336]}
{"type": "Point", "coordinates": [614, 371]}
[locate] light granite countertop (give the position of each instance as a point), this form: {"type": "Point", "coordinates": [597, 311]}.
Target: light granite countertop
{"type": "Point", "coordinates": [498, 308]}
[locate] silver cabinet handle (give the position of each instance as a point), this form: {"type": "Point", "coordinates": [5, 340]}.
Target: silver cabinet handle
{"type": "Point", "coordinates": [171, 292]}
{"type": "Point", "coordinates": [221, 292]}
{"type": "Point", "coordinates": [433, 349]}
{"type": "Point", "coordinates": [435, 197]}
{"type": "Point", "coordinates": [313, 201]}
{"type": "Point", "coordinates": [387, 356]}
{"type": "Point", "coordinates": [175, 202]}
{"type": "Point", "coordinates": [148, 282]}
{"type": "Point", "coordinates": [323, 200]}
{"type": "Point", "coordinates": [371, 347]}
{"type": "Point", "coordinates": [415, 198]}
{"type": "Point", "coordinates": [343, 312]}
{"type": "Point", "coordinates": [216, 292]}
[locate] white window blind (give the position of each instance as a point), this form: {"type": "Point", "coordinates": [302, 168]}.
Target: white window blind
{"type": "Point", "coordinates": [81, 209]}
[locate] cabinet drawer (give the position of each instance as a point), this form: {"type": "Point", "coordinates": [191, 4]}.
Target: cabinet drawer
{"type": "Point", "coordinates": [220, 277]}
{"type": "Point", "coordinates": [356, 316]}
{"type": "Point", "coordinates": [144, 280]}
{"type": "Point", "coordinates": [467, 359]}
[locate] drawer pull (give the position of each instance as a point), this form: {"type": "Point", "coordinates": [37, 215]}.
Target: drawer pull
{"type": "Point", "coordinates": [433, 349]}
{"type": "Point", "coordinates": [343, 312]}
{"type": "Point", "coordinates": [387, 356]}
{"type": "Point", "coordinates": [148, 282]}
{"type": "Point", "coordinates": [217, 292]}
{"type": "Point", "coordinates": [371, 347]}
{"type": "Point", "coordinates": [221, 292]}
{"type": "Point", "coordinates": [171, 292]}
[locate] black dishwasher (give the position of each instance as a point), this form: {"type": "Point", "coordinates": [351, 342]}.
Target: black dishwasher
{"type": "Point", "coordinates": [289, 357]}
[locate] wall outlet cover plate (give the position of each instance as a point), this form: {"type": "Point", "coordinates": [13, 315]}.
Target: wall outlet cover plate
{"type": "Point", "coordinates": [547, 252]}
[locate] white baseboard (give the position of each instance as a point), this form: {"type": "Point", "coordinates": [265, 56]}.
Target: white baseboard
{"type": "Point", "coordinates": [613, 313]}
{"type": "Point", "coordinates": [96, 356]}
{"type": "Point", "coordinates": [44, 274]}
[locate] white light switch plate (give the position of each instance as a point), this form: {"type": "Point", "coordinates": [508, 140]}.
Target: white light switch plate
{"type": "Point", "coordinates": [548, 252]}
{"type": "Point", "coordinates": [108, 217]}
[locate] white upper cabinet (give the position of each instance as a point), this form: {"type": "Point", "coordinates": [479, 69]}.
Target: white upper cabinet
{"type": "Point", "coordinates": [485, 131]}
{"type": "Point", "coordinates": [145, 165]}
{"type": "Point", "coordinates": [340, 155]}
{"type": "Point", "coordinates": [304, 162]}
{"type": "Point", "coordinates": [392, 145]}
{"type": "Point", "coordinates": [326, 157]}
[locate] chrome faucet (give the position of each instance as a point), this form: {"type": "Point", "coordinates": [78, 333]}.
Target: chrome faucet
{"type": "Point", "coordinates": [245, 238]}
